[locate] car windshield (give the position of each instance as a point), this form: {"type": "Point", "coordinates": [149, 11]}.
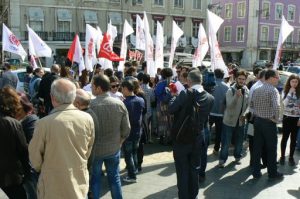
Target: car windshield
{"type": "Point", "coordinates": [21, 76]}
{"type": "Point", "coordinates": [294, 69]}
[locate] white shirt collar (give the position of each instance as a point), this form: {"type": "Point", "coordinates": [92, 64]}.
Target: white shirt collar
{"type": "Point", "coordinates": [198, 87]}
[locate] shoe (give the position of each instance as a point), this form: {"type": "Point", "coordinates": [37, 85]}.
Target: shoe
{"type": "Point", "coordinates": [221, 164]}
{"type": "Point", "coordinates": [201, 179]}
{"type": "Point", "coordinates": [282, 160]}
{"type": "Point", "coordinates": [257, 176]}
{"type": "Point", "coordinates": [216, 153]}
{"type": "Point", "coordinates": [263, 166]}
{"type": "Point", "coordinates": [277, 176]}
{"type": "Point", "coordinates": [130, 180]}
{"type": "Point", "coordinates": [292, 162]}
{"type": "Point", "coordinates": [237, 161]}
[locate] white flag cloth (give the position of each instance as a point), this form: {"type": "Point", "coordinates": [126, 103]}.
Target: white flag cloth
{"type": "Point", "coordinates": [202, 47]}
{"type": "Point", "coordinates": [127, 30]}
{"type": "Point", "coordinates": [149, 48]}
{"type": "Point", "coordinates": [37, 46]}
{"type": "Point", "coordinates": [99, 39]}
{"type": "Point", "coordinates": [140, 41]}
{"type": "Point", "coordinates": [176, 34]}
{"type": "Point", "coordinates": [113, 32]}
{"type": "Point", "coordinates": [214, 23]}
{"type": "Point", "coordinates": [285, 30]}
{"type": "Point", "coordinates": [11, 43]}
{"type": "Point", "coordinates": [159, 46]}
{"type": "Point", "coordinates": [78, 57]}
{"type": "Point", "coordinates": [91, 36]}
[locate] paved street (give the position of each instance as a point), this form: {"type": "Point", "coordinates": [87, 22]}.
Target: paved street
{"type": "Point", "coordinates": [158, 179]}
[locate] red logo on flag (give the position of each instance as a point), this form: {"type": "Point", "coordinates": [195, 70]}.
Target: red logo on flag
{"type": "Point", "coordinates": [14, 40]}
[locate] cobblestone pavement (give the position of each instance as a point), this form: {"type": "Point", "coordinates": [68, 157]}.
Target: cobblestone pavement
{"type": "Point", "coordinates": [158, 179]}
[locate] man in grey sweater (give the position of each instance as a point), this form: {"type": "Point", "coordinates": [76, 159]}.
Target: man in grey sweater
{"type": "Point", "coordinates": [114, 127]}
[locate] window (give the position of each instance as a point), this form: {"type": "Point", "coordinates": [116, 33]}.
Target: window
{"type": "Point", "coordinates": [228, 10]}
{"type": "Point", "coordinates": [264, 33]}
{"type": "Point", "coordinates": [278, 11]}
{"type": "Point", "coordinates": [265, 9]}
{"type": "Point", "coordinates": [178, 3]}
{"type": "Point", "coordinates": [64, 18]}
{"type": "Point", "coordinates": [63, 26]}
{"type": "Point", "coordinates": [240, 33]}
{"type": "Point", "coordinates": [195, 29]}
{"type": "Point", "coordinates": [291, 13]}
{"type": "Point", "coordinates": [36, 25]}
{"type": "Point", "coordinates": [242, 9]}
{"type": "Point", "coordinates": [159, 2]}
{"type": "Point", "coordinates": [36, 18]}
{"type": "Point", "coordinates": [196, 4]}
{"type": "Point", "coordinates": [137, 2]}
{"type": "Point", "coordinates": [180, 24]}
{"type": "Point", "coordinates": [227, 34]}
{"type": "Point", "coordinates": [289, 39]}
{"type": "Point", "coordinates": [115, 1]}
{"type": "Point", "coordinates": [276, 34]}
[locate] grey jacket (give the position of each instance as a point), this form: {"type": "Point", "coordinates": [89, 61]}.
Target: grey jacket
{"type": "Point", "coordinates": [219, 94]}
{"type": "Point", "coordinates": [234, 105]}
{"type": "Point", "coordinates": [113, 123]}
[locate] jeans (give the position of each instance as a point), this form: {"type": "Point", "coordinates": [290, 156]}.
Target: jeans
{"type": "Point", "coordinates": [298, 139]}
{"type": "Point", "coordinates": [289, 127]}
{"type": "Point", "coordinates": [218, 121]}
{"type": "Point", "coordinates": [130, 155]}
{"type": "Point", "coordinates": [30, 184]}
{"type": "Point", "coordinates": [204, 151]}
{"type": "Point", "coordinates": [111, 163]}
{"type": "Point", "coordinates": [187, 164]}
{"type": "Point", "coordinates": [227, 133]}
{"type": "Point", "coordinates": [265, 135]}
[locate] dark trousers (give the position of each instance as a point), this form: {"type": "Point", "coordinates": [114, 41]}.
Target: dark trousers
{"type": "Point", "coordinates": [15, 192]}
{"type": "Point", "coordinates": [289, 127]}
{"type": "Point", "coordinates": [265, 134]}
{"type": "Point", "coordinates": [218, 121]}
{"type": "Point", "coordinates": [263, 152]}
{"type": "Point", "coordinates": [130, 155]}
{"type": "Point", "coordinates": [204, 148]}
{"type": "Point", "coordinates": [187, 164]}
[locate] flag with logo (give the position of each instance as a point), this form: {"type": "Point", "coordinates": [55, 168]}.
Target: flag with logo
{"type": "Point", "coordinates": [106, 50]}
{"type": "Point", "coordinates": [91, 36]}
{"type": "Point", "coordinates": [202, 47]}
{"type": "Point", "coordinates": [176, 34]}
{"type": "Point", "coordinates": [285, 31]}
{"type": "Point", "coordinates": [214, 23]}
{"type": "Point", "coordinates": [140, 40]}
{"type": "Point", "coordinates": [11, 43]}
{"type": "Point", "coordinates": [159, 46]}
{"type": "Point", "coordinates": [127, 30]}
{"type": "Point", "coordinates": [75, 54]}
{"type": "Point", "coordinates": [36, 45]}
{"type": "Point", "coordinates": [149, 48]}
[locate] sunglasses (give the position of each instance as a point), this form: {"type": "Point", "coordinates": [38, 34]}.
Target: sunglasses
{"type": "Point", "coordinates": [115, 86]}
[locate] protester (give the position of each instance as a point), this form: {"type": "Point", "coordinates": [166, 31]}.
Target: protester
{"type": "Point", "coordinates": [34, 83]}
{"type": "Point", "coordinates": [265, 105]}
{"type": "Point", "coordinates": [291, 114]}
{"type": "Point", "coordinates": [8, 78]}
{"type": "Point", "coordinates": [114, 88]}
{"type": "Point", "coordinates": [234, 118]}
{"type": "Point", "coordinates": [14, 165]}
{"type": "Point", "coordinates": [27, 78]}
{"type": "Point", "coordinates": [135, 106]}
{"type": "Point", "coordinates": [217, 112]}
{"type": "Point", "coordinates": [61, 145]}
{"type": "Point", "coordinates": [187, 155]}
{"type": "Point", "coordinates": [114, 127]}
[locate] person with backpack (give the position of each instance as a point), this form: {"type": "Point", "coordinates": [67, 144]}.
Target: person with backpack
{"type": "Point", "coordinates": [34, 83]}
{"type": "Point", "coordinates": [190, 109]}
{"type": "Point", "coordinates": [236, 103]}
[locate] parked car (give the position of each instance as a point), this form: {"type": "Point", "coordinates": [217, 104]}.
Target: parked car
{"type": "Point", "coordinates": [184, 59]}
{"type": "Point", "coordinates": [283, 77]}
{"type": "Point", "coordinates": [260, 63]}
{"type": "Point", "coordinates": [294, 69]}
{"type": "Point", "coordinates": [20, 73]}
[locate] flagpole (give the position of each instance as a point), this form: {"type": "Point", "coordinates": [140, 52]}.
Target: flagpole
{"type": "Point", "coordinates": [2, 56]}
{"type": "Point", "coordinates": [40, 63]}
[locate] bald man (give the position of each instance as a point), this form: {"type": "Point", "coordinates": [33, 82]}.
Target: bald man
{"type": "Point", "coordinates": [61, 146]}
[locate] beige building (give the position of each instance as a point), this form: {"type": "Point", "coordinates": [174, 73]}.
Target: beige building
{"type": "Point", "coordinates": [57, 21]}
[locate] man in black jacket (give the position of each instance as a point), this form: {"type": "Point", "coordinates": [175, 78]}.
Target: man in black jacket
{"type": "Point", "coordinates": [187, 154]}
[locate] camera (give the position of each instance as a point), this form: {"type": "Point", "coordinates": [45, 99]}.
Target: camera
{"type": "Point", "coordinates": [242, 89]}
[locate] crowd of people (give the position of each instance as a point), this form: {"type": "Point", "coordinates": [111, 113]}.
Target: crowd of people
{"type": "Point", "coordinates": [59, 132]}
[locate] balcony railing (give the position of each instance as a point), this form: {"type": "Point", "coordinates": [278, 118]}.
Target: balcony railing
{"type": "Point", "coordinates": [41, 34]}
{"type": "Point", "coordinates": [273, 44]}
{"type": "Point", "coordinates": [63, 36]}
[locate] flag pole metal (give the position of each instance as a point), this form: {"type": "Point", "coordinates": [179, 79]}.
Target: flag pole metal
{"type": "Point", "coordinates": [40, 63]}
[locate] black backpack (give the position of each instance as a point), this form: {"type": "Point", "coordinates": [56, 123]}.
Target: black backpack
{"type": "Point", "coordinates": [209, 80]}
{"type": "Point", "coordinates": [187, 126]}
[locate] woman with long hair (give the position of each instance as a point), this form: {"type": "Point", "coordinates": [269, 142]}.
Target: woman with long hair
{"type": "Point", "coordinates": [291, 114]}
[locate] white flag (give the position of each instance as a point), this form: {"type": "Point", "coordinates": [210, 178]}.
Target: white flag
{"type": "Point", "coordinates": [149, 48]}
{"type": "Point", "coordinates": [113, 32]}
{"type": "Point", "coordinates": [37, 46]}
{"type": "Point", "coordinates": [159, 46]}
{"type": "Point", "coordinates": [285, 30]}
{"type": "Point", "coordinates": [176, 34]}
{"type": "Point", "coordinates": [214, 23]}
{"type": "Point", "coordinates": [127, 30]}
{"type": "Point", "coordinates": [11, 43]}
{"type": "Point", "coordinates": [140, 35]}
{"type": "Point", "coordinates": [91, 35]}
{"type": "Point", "coordinates": [78, 57]}
{"type": "Point", "coordinates": [99, 39]}
{"type": "Point", "coordinates": [202, 47]}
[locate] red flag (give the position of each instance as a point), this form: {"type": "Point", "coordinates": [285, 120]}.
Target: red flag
{"type": "Point", "coordinates": [72, 49]}
{"type": "Point", "coordinates": [106, 50]}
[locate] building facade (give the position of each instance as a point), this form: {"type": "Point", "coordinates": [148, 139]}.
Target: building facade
{"type": "Point", "coordinates": [57, 21]}
{"type": "Point", "coordinates": [251, 29]}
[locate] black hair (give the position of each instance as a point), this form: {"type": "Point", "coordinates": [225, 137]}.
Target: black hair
{"type": "Point", "coordinates": [128, 84]}
{"type": "Point", "coordinates": [102, 81]}
{"type": "Point", "coordinates": [146, 78]}
{"type": "Point", "coordinates": [270, 73]}
{"type": "Point", "coordinates": [219, 73]}
{"type": "Point", "coordinates": [166, 72]}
